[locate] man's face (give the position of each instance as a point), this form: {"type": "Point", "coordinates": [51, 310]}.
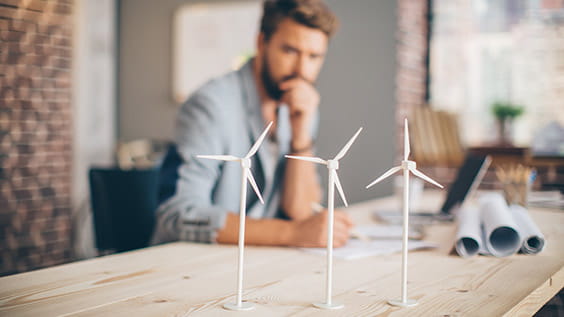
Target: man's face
{"type": "Point", "coordinates": [293, 51]}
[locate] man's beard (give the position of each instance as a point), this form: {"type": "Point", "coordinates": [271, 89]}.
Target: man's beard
{"type": "Point", "coordinates": [270, 85]}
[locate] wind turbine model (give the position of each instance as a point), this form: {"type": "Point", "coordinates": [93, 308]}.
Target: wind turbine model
{"type": "Point", "coordinates": [407, 166]}
{"type": "Point", "coordinates": [332, 167]}
{"type": "Point", "coordinates": [246, 175]}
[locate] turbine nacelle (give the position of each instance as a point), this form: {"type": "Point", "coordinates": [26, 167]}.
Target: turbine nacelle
{"type": "Point", "coordinates": [410, 165]}
{"type": "Point", "coordinates": [333, 164]}
{"type": "Point", "coordinates": [246, 162]}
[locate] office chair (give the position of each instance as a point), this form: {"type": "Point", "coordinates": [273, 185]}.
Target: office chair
{"type": "Point", "coordinates": [123, 204]}
{"type": "Point", "coordinates": [435, 138]}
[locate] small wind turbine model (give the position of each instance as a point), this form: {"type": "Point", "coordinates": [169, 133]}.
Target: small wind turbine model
{"type": "Point", "coordinates": [407, 166]}
{"type": "Point", "coordinates": [332, 167]}
{"type": "Point", "coordinates": [246, 175]}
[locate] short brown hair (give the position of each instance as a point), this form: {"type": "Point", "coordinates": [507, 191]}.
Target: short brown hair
{"type": "Point", "coordinates": [311, 13]}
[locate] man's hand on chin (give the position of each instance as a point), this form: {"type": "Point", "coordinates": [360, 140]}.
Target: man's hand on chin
{"type": "Point", "coordinates": [302, 99]}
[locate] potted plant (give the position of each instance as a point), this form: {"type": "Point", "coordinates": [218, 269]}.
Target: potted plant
{"type": "Point", "coordinates": [505, 113]}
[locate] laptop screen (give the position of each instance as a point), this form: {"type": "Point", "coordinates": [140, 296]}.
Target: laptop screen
{"type": "Point", "coordinates": [467, 179]}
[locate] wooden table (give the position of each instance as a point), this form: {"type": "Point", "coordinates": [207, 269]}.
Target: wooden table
{"type": "Point", "coordinates": [181, 279]}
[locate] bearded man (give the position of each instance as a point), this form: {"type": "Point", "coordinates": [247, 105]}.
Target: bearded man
{"type": "Point", "coordinates": [200, 198]}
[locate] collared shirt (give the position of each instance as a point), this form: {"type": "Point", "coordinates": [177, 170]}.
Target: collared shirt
{"type": "Point", "coordinates": [222, 118]}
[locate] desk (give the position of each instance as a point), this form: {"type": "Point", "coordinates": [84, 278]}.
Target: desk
{"type": "Point", "coordinates": [549, 168]}
{"type": "Point", "coordinates": [182, 278]}
{"type": "Point", "coordinates": [501, 154]}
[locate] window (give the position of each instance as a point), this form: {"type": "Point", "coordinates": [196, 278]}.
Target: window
{"type": "Point", "coordinates": [482, 51]}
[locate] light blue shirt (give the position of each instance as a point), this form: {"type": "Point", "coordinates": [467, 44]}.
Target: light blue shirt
{"type": "Point", "coordinates": [223, 117]}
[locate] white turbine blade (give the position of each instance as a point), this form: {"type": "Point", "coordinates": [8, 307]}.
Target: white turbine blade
{"type": "Point", "coordinates": [347, 146]}
{"type": "Point", "coordinates": [254, 185]}
{"type": "Point", "coordinates": [257, 144]}
{"type": "Point", "coordinates": [339, 187]}
{"type": "Point", "coordinates": [406, 147]}
{"type": "Point", "coordinates": [385, 175]}
{"type": "Point", "coordinates": [425, 177]}
{"type": "Point", "coordinates": [308, 158]}
{"type": "Point", "coordinates": [219, 157]}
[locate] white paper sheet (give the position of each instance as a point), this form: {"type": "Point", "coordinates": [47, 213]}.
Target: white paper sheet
{"type": "Point", "coordinates": [356, 249]}
{"type": "Point", "coordinates": [469, 235]}
{"type": "Point", "coordinates": [386, 232]}
{"type": "Point", "coordinates": [532, 240]}
{"type": "Point", "coordinates": [499, 229]}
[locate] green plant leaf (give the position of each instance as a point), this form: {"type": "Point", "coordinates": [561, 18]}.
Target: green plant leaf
{"type": "Point", "coordinates": [506, 110]}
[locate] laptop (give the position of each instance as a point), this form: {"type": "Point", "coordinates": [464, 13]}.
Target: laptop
{"type": "Point", "coordinates": [467, 180]}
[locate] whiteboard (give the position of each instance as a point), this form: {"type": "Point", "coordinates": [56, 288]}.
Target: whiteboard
{"type": "Point", "coordinates": [211, 39]}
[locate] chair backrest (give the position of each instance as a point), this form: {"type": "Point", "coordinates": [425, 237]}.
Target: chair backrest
{"type": "Point", "coordinates": [168, 175]}
{"type": "Point", "coordinates": [124, 204]}
{"type": "Point", "coordinates": [435, 138]}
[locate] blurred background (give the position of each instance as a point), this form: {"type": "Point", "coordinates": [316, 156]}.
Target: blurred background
{"type": "Point", "coordinates": [90, 89]}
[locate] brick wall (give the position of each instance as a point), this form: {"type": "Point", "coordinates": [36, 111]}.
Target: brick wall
{"type": "Point", "coordinates": [35, 133]}
{"type": "Point", "coordinates": [411, 76]}
{"type": "Point", "coordinates": [411, 62]}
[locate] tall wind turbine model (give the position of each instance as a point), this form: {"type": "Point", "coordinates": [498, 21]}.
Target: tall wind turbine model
{"type": "Point", "coordinates": [407, 166]}
{"type": "Point", "coordinates": [246, 175]}
{"type": "Point", "coordinates": [332, 167]}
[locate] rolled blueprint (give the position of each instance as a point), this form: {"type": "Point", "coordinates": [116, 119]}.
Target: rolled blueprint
{"type": "Point", "coordinates": [500, 234]}
{"type": "Point", "coordinates": [532, 240]}
{"type": "Point", "coordinates": [469, 235]}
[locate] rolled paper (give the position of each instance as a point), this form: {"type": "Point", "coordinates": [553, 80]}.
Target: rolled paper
{"type": "Point", "coordinates": [500, 234]}
{"type": "Point", "coordinates": [532, 240]}
{"type": "Point", "coordinates": [469, 235]}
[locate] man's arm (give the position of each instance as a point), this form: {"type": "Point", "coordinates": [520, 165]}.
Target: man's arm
{"type": "Point", "coordinates": [309, 232]}
{"type": "Point", "coordinates": [301, 187]}
{"type": "Point", "coordinates": [190, 213]}
{"type": "Point", "coordinates": [301, 184]}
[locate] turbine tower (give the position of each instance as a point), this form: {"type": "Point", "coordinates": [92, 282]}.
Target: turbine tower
{"type": "Point", "coordinates": [246, 176]}
{"type": "Point", "coordinates": [407, 166]}
{"type": "Point", "coordinates": [332, 167]}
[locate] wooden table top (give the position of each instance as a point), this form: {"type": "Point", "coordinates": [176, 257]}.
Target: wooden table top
{"type": "Point", "coordinates": [181, 279]}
